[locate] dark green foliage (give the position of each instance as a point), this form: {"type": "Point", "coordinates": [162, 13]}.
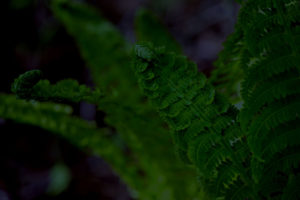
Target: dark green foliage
{"type": "Point", "coordinates": [270, 116]}
{"type": "Point", "coordinates": [203, 123]}
{"type": "Point", "coordinates": [254, 155]}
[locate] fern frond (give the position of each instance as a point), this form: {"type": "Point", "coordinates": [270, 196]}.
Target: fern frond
{"type": "Point", "coordinates": [70, 91]}
{"type": "Point", "coordinates": [199, 118]}
{"type": "Point", "coordinates": [56, 119]}
{"type": "Point", "coordinates": [276, 89]}
{"type": "Point", "coordinates": [30, 86]}
{"type": "Point", "coordinates": [270, 114]}
{"type": "Point", "coordinates": [272, 37]}
{"type": "Point", "coordinates": [46, 116]}
{"type": "Point", "coordinates": [102, 46]}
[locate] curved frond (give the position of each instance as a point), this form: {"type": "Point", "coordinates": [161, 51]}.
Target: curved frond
{"type": "Point", "coordinates": [56, 119]}
{"type": "Point", "coordinates": [30, 86]}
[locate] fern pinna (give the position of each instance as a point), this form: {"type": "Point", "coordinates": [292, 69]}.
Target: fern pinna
{"type": "Point", "coordinates": [247, 154]}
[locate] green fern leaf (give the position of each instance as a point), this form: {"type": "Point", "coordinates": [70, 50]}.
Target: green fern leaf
{"type": "Point", "coordinates": [30, 86]}
{"type": "Point", "coordinates": [197, 116]}
{"type": "Point", "coordinates": [56, 119]}
{"type": "Point", "coordinates": [270, 114]}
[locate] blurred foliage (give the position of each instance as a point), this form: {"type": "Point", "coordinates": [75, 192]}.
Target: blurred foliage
{"type": "Point", "coordinates": [56, 118]}
{"type": "Point", "coordinates": [102, 46]}
{"type": "Point", "coordinates": [21, 4]}
{"type": "Point", "coordinates": [148, 27]}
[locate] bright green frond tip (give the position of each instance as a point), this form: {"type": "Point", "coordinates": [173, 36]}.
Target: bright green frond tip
{"type": "Point", "coordinates": [30, 86]}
